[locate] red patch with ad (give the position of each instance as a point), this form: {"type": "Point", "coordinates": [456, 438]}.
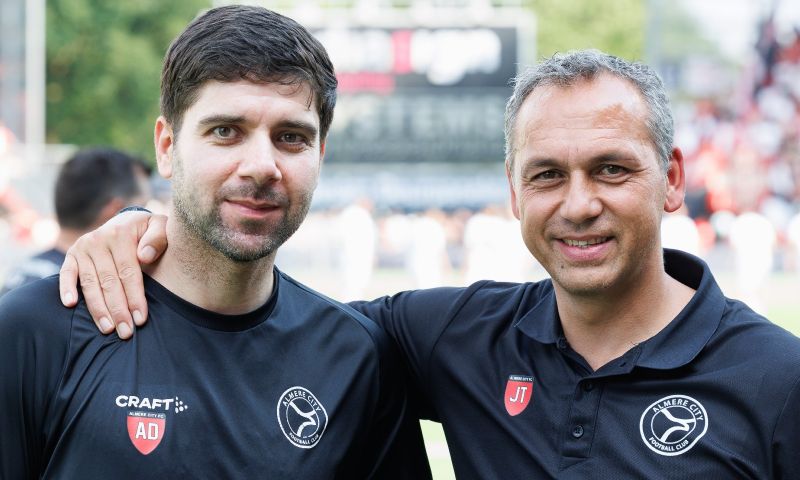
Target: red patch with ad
{"type": "Point", "coordinates": [146, 430]}
{"type": "Point", "coordinates": [519, 391]}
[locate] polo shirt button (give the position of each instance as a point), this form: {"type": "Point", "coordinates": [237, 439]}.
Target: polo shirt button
{"type": "Point", "coordinates": [588, 386]}
{"type": "Point", "coordinates": [561, 343]}
{"type": "Point", "coordinates": [577, 431]}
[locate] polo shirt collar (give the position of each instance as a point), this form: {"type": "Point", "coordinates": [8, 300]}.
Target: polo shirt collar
{"type": "Point", "coordinates": [688, 333]}
{"type": "Point", "coordinates": [542, 323]}
{"type": "Point", "coordinates": [674, 346]}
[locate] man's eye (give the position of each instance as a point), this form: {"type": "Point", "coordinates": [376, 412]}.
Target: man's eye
{"type": "Point", "coordinates": [292, 138]}
{"type": "Point", "coordinates": [612, 170]}
{"type": "Point", "coordinates": [223, 132]}
{"type": "Point", "coordinates": [548, 175]}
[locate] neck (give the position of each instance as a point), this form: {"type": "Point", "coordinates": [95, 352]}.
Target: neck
{"type": "Point", "coordinates": [603, 327]}
{"type": "Point", "coordinates": [66, 238]}
{"type": "Point", "coordinates": [198, 273]}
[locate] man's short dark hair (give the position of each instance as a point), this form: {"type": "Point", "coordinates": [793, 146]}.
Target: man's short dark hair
{"type": "Point", "coordinates": [238, 42]}
{"type": "Point", "coordinates": [91, 179]}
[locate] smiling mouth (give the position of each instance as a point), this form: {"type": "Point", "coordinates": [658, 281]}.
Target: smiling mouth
{"type": "Point", "coordinates": [253, 205]}
{"type": "Point", "coordinates": [585, 243]}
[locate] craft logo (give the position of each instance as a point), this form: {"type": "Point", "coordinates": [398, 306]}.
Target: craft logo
{"type": "Point", "coordinates": [519, 390]}
{"type": "Point", "coordinates": [147, 424]}
{"type": "Point", "coordinates": [672, 425]}
{"type": "Point", "coordinates": [302, 417]}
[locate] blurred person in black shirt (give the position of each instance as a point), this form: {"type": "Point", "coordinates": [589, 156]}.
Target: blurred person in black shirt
{"type": "Point", "coordinates": [91, 187]}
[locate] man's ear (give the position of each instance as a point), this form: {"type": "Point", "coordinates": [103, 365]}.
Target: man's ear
{"type": "Point", "coordinates": [512, 191]}
{"type": "Point", "coordinates": [676, 182]}
{"type": "Point", "coordinates": [322, 144]}
{"type": "Point", "coordinates": [164, 140]}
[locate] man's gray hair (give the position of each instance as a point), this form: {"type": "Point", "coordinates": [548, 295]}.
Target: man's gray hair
{"type": "Point", "coordinates": [565, 69]}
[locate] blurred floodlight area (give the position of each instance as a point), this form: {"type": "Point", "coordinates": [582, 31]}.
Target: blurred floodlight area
{"type": "Point", "coordinates": [413, 192]}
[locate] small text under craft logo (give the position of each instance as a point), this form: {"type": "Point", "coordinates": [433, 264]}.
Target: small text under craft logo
{"type": "Point", "coordinates": [302, 417]}
{"type": "Point", "coordinates": [519, 390]}
{"type": "Point", "coordinates": [672, 425]}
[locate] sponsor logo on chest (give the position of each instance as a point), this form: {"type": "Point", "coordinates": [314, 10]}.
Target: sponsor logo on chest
{"type": "Point", "coordinates": [147, 419]}
{"type": "Point", "coordinates": [673, 425]}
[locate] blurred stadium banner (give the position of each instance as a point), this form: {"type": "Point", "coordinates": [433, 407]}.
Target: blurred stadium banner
{"type": "Point", "coordinates": [420, 95]}
{"type": "Point", "coordinates": [419, 117]}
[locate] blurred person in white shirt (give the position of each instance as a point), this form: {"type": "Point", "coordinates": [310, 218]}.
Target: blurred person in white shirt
{"type": "Point", "coordinates": [427, 254]}
{"type": "Point", "coordinates": [358, 237]}
{"type": "Point", "coordinates": [753, 239]}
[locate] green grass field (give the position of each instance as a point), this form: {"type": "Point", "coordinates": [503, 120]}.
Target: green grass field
{"type": "Point", "coordinates": [787, 316]}
{"type": "Point", "coordinates": [438, 454]}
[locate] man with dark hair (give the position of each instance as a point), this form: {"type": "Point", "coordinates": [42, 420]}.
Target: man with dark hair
{"type": "Point", "coordinates": [266, 378]}
{"type": "Point", "coordinates": [629, 362]}
{"type": "Point", "coordinates": [91, 187]}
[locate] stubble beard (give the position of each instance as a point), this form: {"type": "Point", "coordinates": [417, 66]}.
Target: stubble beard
{"type": "Point", "coordinates": [236, 242]}
{"type": "Point", "coordinates": [614, 277]}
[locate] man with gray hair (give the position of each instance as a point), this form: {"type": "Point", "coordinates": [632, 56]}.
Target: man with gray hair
{"type": "Point", "coordinates": [629, 362]}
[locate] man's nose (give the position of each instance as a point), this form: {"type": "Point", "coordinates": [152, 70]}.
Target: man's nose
{"type": "Point", "coordinates": [260, 160]}
{"type": "Point", "coordinates": [580, 202]}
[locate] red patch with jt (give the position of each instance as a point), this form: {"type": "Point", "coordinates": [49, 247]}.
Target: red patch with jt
{"type": "Point", "coordinates": [146, 430]}
{"type": "Point", "coordinates": [519, 391]}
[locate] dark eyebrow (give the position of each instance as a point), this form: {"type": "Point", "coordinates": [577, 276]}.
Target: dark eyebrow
{"type": "Point", "coordinates": [222, 119]}
{"type": "Point", "coordinates": [213, 120]}
{"type": "Point", "coordinates": [612, 157]}
{"type": "Point", "coordinates": [538, 163]}
{"type": "Point", "coordinates": [602, 157]}
{"type": "Point", "coordinates": [543, 162]}
{"type": "Point", "coordinates": [308, 128]}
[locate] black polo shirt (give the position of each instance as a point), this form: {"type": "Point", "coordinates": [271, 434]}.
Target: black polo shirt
{"type": "Point", "coordinates": [713, 395]}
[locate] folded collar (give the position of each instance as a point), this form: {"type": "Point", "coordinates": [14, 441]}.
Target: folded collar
{"type": "Point", "coordinates": [675, 345]}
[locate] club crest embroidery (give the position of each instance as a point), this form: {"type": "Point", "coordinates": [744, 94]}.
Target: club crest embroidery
{"type": "Point", "coordinates": [518, 394]}
{"type": "Point", "coordinates": [146, 430]}
{"type": "Point", "coordinates": [672, 425]}
{"type": "Point", "coordinates": [147, 419]}
{"type": "Point", "coordinates": [302, 417]}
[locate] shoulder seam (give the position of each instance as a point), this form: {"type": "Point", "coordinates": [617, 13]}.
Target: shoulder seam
{"type": "Point", "coordinates": [65, 360]}
{"type": "Point", "coordinates": [785, 406]}
{"type": "Point", "coordinates": [353, 314]}
{"type": "Point", "coordinates": [372, 329]}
